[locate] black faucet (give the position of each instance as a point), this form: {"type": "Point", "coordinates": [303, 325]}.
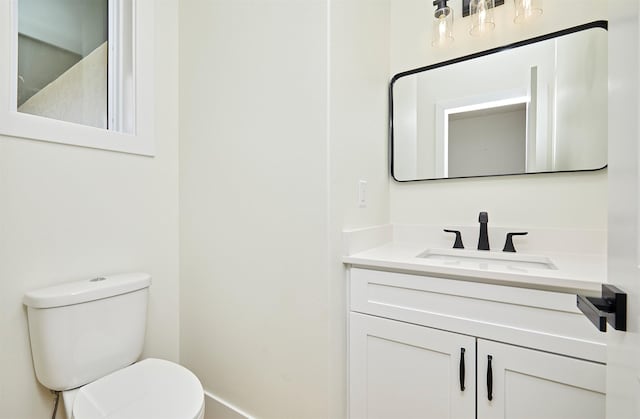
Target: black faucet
{"type": "Point", "coordinates": [508, 244]}
{"type": "Point", "coordinates": [483, 240]}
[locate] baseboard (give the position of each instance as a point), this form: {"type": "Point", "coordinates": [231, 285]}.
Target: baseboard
{"type": "Point", "coordinates": [218, 408]}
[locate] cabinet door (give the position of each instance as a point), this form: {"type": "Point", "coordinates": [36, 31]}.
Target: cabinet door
{"type": "Point", "coordinates": [403, 371]}
{"type": "Point", "coordinates": [533, 384]}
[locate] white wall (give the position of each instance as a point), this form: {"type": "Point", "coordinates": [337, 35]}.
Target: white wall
{"type": "Point", "coordinates": [359, 76]}
{"type": "Point", "coordinates": [358, 144]}
{"type": "Point", "coordinates": [582, 97]}
{"type": "Point", "coordinates": [253, 197]}
{"type": "Point", "coordinates": [405, 127]}
{"type": "Point", "coordinates": [283, 110]}
{"type": "Point", "coordinates": [68, 213]}
{"type": "Point", "coordinates": [623, 363]}
{"type": "Point", "coordinates": [555, 200]}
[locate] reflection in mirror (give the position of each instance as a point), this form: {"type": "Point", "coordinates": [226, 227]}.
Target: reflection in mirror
{"type": "Point", "coordinates": [487, 141]}
{"type": "Point", "coordinates": [75, 61]}
{"type": "Point", "coordinates": [536, 106]}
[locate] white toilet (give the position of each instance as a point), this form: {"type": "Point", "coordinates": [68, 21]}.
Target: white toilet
{"type": "Point", "coordinates": [85, 339]}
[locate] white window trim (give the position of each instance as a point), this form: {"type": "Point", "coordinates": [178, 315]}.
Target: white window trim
{"type": "Point", "coordinates": [23, 125]}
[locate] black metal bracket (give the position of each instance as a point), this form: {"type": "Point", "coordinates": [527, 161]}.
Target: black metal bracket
{"type": "Point", "coordinates": [611, 308]}
{"type": "Point", "coordinates": [465, 6]}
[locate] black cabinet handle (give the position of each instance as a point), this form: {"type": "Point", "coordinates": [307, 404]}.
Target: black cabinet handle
{"type": "Point", "coordinates": [462, 369]}
{"type": "Point", "coordinates": [489, 379]}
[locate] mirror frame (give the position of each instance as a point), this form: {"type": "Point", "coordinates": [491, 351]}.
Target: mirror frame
{"type": "Point", "coordinates": [34, 127]}
{"type": "Point", "coordinates": [602, 24]}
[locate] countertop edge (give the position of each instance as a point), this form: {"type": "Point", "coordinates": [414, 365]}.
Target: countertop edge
{"type": "Point", "coordinates": [558, 284]}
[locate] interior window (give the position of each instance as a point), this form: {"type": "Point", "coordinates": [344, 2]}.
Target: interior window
{"type": "Point", "coordinates": [75, 62]}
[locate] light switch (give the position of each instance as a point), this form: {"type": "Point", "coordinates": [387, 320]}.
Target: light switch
{"type": "Point", "coordinates": [362, 193]}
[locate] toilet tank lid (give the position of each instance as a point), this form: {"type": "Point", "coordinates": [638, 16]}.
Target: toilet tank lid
{"type": "Point", "coordinates": [86, 290]}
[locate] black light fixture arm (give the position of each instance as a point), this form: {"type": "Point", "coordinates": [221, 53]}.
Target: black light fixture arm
{"type": "Point", "coordinates": [441, 8]}
{"type": "Point", "coordinates": [440, 4]}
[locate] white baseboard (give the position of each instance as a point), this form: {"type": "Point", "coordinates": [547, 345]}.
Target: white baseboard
{"type": "Point", "coordinates": [218, 408]}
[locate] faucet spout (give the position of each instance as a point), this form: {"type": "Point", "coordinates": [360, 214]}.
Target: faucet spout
{"type": "Point", "coordinates": [483, 239]}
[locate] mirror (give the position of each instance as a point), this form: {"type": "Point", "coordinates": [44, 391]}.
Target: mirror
{"type": "Point", "coordinates": [75, 61]}
{"type": "Point", "coordinates": [531, 107]}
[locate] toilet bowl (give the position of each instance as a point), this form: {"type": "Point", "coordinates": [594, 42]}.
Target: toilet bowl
{"type": "Point", "coordinates": [149, 389]}
{"type": "Point", "coordinates": [85, 338]}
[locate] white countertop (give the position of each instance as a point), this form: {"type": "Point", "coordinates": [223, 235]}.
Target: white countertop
{"type": "Point", "coordinates": [582, 272]}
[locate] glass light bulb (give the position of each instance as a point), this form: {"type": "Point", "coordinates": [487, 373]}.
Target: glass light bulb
{"type": "Point", "coordinates": [442, 27]}
{"type": "Point", "coordinates": [482, 20]}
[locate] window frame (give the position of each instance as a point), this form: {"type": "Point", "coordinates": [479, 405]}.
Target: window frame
{"type": "Point", "coordinates": [34, 127]}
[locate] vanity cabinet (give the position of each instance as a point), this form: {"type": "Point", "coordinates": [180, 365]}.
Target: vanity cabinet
{"type": "Point", "coordinates": [400, 370]}
{"type": "Point", "coordinates": [420, 347]}
{"type": "Point", "coordinates": [529, 383]}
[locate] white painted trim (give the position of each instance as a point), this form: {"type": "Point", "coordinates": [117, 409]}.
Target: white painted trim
{"type": "Point", "coordinates": [349, 346]}
{"type": "Point", "coordinates": [554, 119]}
{"type": "Point", "coordinates": [230, 406]}
{"type": "Point", "coordinates": [531, 124]}
{"type": "Point", "coordinates": [16, 124]}
{"type": "Point", "coordinates": [488, 105]}
{"type": "Point", "coordinates": [114, 73]}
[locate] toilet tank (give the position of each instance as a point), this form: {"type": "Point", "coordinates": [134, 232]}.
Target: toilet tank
{"type": "Point", "coordinates": [83, 330]}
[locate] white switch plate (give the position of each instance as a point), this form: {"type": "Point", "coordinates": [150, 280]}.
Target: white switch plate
{"type": "Point", "coordinates": [362, 194]}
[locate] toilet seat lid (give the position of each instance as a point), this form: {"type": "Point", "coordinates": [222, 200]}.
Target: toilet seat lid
{"type": "Point", "coordinates": [153, 388]}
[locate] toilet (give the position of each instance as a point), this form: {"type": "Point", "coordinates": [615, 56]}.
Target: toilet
{"type": "Point", "coordinates": [86, 337]}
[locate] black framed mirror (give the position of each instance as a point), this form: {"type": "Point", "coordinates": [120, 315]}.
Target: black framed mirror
{"type": "Point", "coordinates": [534, 106]}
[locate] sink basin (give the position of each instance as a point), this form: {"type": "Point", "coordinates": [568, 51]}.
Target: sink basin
{"type": "Point", "coordinates": [480, 259]}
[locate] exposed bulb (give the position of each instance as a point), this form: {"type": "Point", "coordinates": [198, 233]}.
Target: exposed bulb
{"type": "Point", "coordinates": [442, 27]}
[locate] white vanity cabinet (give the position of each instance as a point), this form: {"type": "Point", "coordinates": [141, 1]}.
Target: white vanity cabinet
{"type": "Point", "coordinates": [534, 384]}
{"type": "Point", "coordinates": [401, 370]}
{"type": "Point", "coordinates": [407, 334]}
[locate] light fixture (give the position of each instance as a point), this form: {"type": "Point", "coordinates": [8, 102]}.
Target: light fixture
{"type": "Point", "coordinates": [527, 9]}
{"type": "Point", "coordinates": [482, 20]}
{"type": "Point", "coordinates": [442, 24]}
{"type": "Point", "coordinates": [481, 16]}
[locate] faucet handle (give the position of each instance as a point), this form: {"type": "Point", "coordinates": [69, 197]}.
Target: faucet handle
{"type": "Point", "coordinates": [508, 244]}
{"type": "Point", "coordinates": [458, 243]}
